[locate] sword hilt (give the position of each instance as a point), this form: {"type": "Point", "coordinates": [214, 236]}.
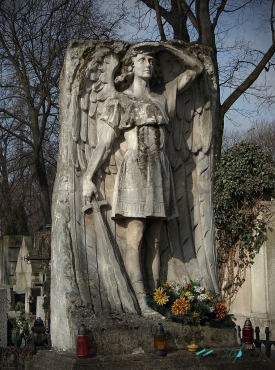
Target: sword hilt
{"type": "Point", "coordinates": [95, 205]}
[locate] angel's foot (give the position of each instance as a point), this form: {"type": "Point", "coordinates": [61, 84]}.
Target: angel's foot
{"type": "Point", "coordinates": [150, 313]}
{"type": "Point", "coordinates": [147, 311]}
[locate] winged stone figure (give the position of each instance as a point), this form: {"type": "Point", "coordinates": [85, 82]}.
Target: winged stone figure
{"type": "Point", "coordinates": [141, 120]}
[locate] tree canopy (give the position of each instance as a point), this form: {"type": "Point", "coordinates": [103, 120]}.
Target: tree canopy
{"type": "Point", "coordinates": [262, 133]}
{"type": "Point", "coordinates": [33, 39]}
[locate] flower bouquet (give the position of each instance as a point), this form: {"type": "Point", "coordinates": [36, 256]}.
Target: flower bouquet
{"type": "Point", "coordinates": [20, 331]}
{"type": "Point", "coordinates": [189, 303]}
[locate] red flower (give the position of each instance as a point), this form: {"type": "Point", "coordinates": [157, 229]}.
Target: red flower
{"type": "Point", "coordinates": [220, 311]}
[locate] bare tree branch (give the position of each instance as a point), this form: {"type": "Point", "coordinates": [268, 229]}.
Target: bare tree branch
{"type": "Point", "coordinates": [249, 80]}
{"type": "Point", "coordinates": [159, 22]}
{"type": "Point", "coordinates": [33, 38]}
{"type": "Point", "coordinates": [219, 12]}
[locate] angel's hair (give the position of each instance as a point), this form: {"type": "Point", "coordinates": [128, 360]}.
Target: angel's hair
{"type": "Point", "coordinates": [127, 70]}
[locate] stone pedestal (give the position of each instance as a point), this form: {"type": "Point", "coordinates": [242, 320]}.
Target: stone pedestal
{"type": "Point", "coordinates": [130, 338]}
{"type": "Point", "coordinates": [130, 333]}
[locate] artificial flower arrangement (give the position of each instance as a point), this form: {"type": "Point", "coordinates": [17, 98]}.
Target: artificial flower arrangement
{"type": "Point", "coordinates": [19, 333]}
{"type": "Point", "coordinates": [189, 303]}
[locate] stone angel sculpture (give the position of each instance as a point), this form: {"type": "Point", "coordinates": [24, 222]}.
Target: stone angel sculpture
{"type": "Point", "coordinates": [138, 121]}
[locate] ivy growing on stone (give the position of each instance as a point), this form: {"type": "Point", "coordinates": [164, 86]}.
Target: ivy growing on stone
{"type": "Point", "coordinates": [244, 176]}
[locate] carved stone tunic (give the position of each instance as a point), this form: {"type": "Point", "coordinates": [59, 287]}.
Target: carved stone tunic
{"type": "Point", "coordinates": [144, 184]}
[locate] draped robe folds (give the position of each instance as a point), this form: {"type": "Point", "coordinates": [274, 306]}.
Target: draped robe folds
{"type": "Point", "coordinates": [144, 185]}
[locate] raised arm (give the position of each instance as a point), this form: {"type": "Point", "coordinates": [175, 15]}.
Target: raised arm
{"type": "Point", "coordinates": [193, 68]}
{"type": "Point", "coordinates": [106, 136]}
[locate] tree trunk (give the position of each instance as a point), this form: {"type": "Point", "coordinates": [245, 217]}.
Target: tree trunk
{"type": "Point", "coordinates": [44, 187]}
{"type": "Point", "coordinates": [5, 189]}
{"type": "Point", "coordinates": [180, 19]}
{"type": "Point", "coordinates": [218, 130]}
{"type": "Point", "coordinates": [207, 37]}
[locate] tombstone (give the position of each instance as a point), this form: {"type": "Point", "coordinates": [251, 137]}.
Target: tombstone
{"type": "Point", "coordinates": [3, 317]}
{"type": "Point", "coordinates": [132, 202]}
{"type": "Point", "coordinates": [40, 312]}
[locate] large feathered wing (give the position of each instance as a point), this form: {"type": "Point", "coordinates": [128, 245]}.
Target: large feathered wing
{"type": "Point", "coordinates": [100, 275]}
{"type": "Point", "coordinates": [191, 157]}
{"type": "Point", "coordinates": [96, 85]}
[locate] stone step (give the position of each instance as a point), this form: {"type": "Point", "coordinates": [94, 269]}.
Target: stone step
{"type": "Point", "coordinates": [220, 359]}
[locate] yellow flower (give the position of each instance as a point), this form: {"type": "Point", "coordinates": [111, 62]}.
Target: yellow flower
{"type": "Point", "coordinates": [196, 317]}
{"type": "Point", "coordinates": [187, 294]}
{"type": "Point", "coordinates": [167, 286]}
{"type": "Point", "coordinates": [208, 294]}
{"type": "Point", "coordinates": [160, 297]}
{"type": "Point", "coordinates": [181, 307]}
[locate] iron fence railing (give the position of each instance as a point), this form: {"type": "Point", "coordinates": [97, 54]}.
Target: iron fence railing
{"type": "Point", "coordinates": [267, 343]}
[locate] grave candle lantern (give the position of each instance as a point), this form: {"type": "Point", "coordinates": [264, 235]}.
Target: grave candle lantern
{"type": "Point", "coordinates": [248, 339]}
{"type": "Point", "coordinates": [82, 342]}
{"type": "Point", "coordinates": [160, 341]}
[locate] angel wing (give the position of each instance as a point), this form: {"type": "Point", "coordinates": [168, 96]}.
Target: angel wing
{"type": "Point", "coordinates": [100, 279]}
{"type": "Point", "coordinates": [97, 84]}
{"type": "Point", "coordinates": [190, 155]}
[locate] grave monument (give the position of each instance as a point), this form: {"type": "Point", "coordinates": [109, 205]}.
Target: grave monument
{"type": "Point", "coordinates": [132, 203]}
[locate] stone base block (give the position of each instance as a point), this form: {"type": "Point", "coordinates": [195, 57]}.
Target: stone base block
{"type": "Point", "coordinates": [130, 334]}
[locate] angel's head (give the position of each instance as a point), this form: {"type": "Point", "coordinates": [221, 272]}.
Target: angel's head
{"type": "Point", "coordinates": [143, 65]}
{"type": "Point", "coordinates": [139, 59]}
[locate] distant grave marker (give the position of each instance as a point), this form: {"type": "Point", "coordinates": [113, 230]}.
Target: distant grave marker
{"type": "Point", "coordinates": [3, 317]}
{"type": "Point", "coordinates": [40, 312]}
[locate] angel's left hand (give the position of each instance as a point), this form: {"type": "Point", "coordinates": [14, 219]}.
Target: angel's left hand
{"type": "Point", "coordinates": [89, 189]}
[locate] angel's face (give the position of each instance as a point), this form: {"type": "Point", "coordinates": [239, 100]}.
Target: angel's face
{"type": "Point", "coordinates": [143, 66]}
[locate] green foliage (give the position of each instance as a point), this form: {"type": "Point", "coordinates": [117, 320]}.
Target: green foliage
{"type": "Point", "coordinates": [242, 176]}
{"type": "Point", "coordinates": [19, 330]}
{"type": "Point", "coordinates": [18, 224]}
{"type": "Point", "coordinates": [19, 306]}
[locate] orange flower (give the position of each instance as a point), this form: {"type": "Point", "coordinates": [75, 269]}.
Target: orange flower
{"type": "Point", "coordinates": [167, 286]}
{"type": "Point", "coordinates": [220, 311]}
{"type": "Point", "coordinates": [181, 307]}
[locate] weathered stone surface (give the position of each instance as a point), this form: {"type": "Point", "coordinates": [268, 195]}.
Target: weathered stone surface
{"type": "Point", "coordinates": [91, 264]}
{"type": "Point", "coordinates": [9, 249]}
{"type": "Point", "coordinates": [250, 360]}
{"type": "Point", "coordinates": [3, 317]}
{"type": "Point", "coordinates": [128, 333]}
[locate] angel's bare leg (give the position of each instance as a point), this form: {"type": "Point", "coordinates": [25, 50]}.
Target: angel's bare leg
{"type": "Point", "coordinates": [135, 230]}
{"type": "Point", "coordinates": [152, 255]}
{"type": "Point", "coordinates": [134, 235]}
{"type": "Point", "coordinates": [132, 260]}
